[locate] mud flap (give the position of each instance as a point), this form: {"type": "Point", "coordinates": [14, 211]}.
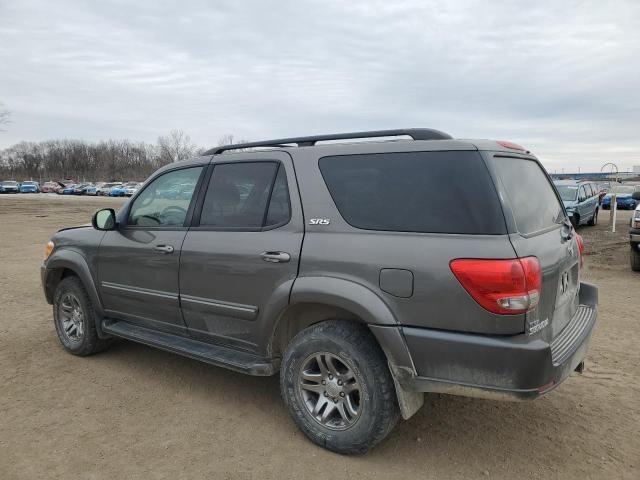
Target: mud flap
{"type": "Point", "coordinates": [409, 402]}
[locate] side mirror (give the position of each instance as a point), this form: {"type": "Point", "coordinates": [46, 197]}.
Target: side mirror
{"type": "Point", "coordinates": [636, 196]}
{"type": "Point", "coordinates": [104, 219]}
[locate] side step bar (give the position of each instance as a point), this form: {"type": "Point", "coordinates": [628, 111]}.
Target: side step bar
{"type": "Point", "coordinates": [217, 355]}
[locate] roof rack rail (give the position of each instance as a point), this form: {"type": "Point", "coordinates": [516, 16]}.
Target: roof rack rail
{"type": "Point", "coordinates": [415, 133]}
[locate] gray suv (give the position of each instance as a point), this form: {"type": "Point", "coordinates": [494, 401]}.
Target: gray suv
{"type": "Point", "coordinates": [364, 273]}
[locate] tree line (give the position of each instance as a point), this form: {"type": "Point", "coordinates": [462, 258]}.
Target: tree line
{"type": "Point", "coordinates": [112, 160]}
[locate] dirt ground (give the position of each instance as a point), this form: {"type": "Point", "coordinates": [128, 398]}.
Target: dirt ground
{"type": "Point", "coordinates": [136, 412]}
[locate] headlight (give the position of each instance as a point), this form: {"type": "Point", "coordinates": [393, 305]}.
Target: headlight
{"type": "Point", "coordinates": [48, 249]}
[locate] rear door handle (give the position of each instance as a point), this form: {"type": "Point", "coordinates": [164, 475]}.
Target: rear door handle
{"type": "Point", "coordinates": [275, 257]}
{"type": "Point", "coordinates": [163, 248]}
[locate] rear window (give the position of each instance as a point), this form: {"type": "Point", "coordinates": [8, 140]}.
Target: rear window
{"type": "Point", "coordinates": [430, 192]}
{"type": "Point", "coordinates": [532, 198]}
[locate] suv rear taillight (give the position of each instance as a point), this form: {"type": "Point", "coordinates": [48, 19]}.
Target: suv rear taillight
{"type": "Point", "coordinates": [506, 287]}
{"type": "Point", "coordinates": [580, 243]}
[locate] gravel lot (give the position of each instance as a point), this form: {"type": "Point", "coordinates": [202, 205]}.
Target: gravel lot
{"type": "Point", "coordinates": [136, 412]}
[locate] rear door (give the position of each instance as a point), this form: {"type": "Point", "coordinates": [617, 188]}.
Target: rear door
{"type": "Point", "coordinates": [240, 258]}
{"type": "Point", "coordinates": [534, 210]}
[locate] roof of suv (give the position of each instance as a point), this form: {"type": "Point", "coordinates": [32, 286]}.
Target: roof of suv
{"type": "Point", "coordinates": [415, 134]}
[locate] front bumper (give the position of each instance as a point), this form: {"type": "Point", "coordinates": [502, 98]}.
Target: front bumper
{"type": "Point", "coordinates": [512, 368]}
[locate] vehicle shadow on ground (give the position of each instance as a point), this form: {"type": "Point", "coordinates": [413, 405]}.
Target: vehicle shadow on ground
{"type": "Point", "coordinates": [447, 429]}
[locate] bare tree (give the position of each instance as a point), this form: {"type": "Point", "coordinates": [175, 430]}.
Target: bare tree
{"type": "Point", "coordinates": [108, 160]}
{"type": "Point", "coordinates": [4, 116]}
{"type": "Point", "coordinates": [175, 147]}
{"type": "Point", "coordinates": [226, 139]}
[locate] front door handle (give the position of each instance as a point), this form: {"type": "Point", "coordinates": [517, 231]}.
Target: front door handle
{"type": "Point", "coordinates": [163, 248]}
{"type": "Point", "coordinates": [275, 257]}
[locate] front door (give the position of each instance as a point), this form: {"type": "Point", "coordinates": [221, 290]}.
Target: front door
{"type": "Point", "coordinates": [240, 258]}
{"type": "Point", "coordinates": [138, 263]}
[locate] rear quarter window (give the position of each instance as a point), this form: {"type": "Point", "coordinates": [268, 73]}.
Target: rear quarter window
{"type": "Point", "coordinates": [531, 196]}
{"type": "Point", "coordinates": [427, 192]}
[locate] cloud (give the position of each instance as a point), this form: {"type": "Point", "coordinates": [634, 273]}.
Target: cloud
{"type": "Point", "coordinates": [561, 78]}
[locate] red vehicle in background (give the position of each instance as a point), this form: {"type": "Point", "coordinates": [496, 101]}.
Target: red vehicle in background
{"type": "Point", "coordinates": [51, 187]}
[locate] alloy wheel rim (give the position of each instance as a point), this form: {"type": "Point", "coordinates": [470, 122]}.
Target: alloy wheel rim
{"type": "Point", "coordinates": [330, 391]}
{"type": "Point", "coordinates": [71, 318]}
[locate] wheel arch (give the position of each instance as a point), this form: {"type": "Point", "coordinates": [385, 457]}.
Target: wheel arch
{"type": "Point", "coordinates": [317, 299]}
{"type": "Point", "coordinates": [63, 263]}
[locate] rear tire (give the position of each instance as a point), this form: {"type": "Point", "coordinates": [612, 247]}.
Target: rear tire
{"type": "Point", "coordinates": [336, 369]}
{"type": "Point", "coordinates": [634, 257]}
{"type": "Point", "coordinates": [75, 319]}
{"type": "Point", "coordinates": [594, 220]}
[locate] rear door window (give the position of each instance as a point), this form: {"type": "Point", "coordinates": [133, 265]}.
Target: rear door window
{"type": "Point", "coordinates": [431, 192]}
{"type": "Point", "coordinates": [582, 195]}
{"type": "Point", "coordinates": [246, 195]}
{"type": "Point", "coordinates": [533, 200]}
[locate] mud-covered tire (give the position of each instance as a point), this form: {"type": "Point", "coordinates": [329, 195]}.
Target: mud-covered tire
{"type": "Point", "coordinates": [634, 257]}
{"type": "Point", "coordinates": [71, 293]}
{"type": "Point", "coordinates": [594, 220]}
{"type": "Point", "coordinates": [354, 347]}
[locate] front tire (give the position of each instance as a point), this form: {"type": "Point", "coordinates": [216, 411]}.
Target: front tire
{"type": "Point", "coordinates": [575, 221]}
{"type": "Point", "coordinates": [338, 388]}
{"type": "Point", "coordinates": [74, 319]}
{"type": "Point", "coordinates": [634, 257]}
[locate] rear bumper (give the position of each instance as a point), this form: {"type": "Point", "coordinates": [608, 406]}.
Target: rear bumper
{"type": "Point", "coordinates": [512, 368]}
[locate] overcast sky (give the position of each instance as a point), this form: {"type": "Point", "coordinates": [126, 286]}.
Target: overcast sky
{"type": "Point", "coordinates": [559, 77]}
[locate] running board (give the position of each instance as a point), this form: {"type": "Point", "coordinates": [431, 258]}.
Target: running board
{"type": "Point", "coordinates": [217, 355]}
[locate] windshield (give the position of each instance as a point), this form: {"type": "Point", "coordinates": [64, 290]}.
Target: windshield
{"type": "Point", "coordinates": [9, 183]}
{"type": "Point", "coordinates": [567, 192]}
{"type": "Point", "coordinates": [28, 183]}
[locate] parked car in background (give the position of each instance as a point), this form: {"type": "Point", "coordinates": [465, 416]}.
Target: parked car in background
{"type": "Point", "coordinates": [581, 200]}
{"type": "Point", "coordinates": [118, 191]}
{"type": "Point", "coordinates": [9, 186]}
{"type": "Point", "coordinates": [92, 189]}
{"type": "Point", "coordinates": [132, 189]}
{"type": "Point", "coordinates": [29, 186]}
{"type": "Point", "coordinates": [82, 188]}
{"type": "Point", "coordinates": [105, 188]}
{"type": "Point", "coordinates": [634, 235]}
{"type": "Point", "coordinates": [69, 190]}
{"type": "Point", "coordinates": [624, 197]}
{"type": "Point", "coordinates": [51, 187]}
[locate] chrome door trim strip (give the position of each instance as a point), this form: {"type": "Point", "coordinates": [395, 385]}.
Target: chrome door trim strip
{"type": "Point", "coordinates": [139, 290]}
{"type": "Point", "coordinates": [247, 312]}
